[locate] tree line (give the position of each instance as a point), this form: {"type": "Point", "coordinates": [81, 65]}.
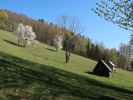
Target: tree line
{"type": "Point", "coordinates": [69, 28]}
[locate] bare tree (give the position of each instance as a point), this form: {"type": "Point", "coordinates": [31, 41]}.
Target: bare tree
{"type": "Point", "coordinates": [72, 26]}
{"type": "Point", "coordinates": [75, 25]}
{"type": "Point", "coordinates": [70, 23]}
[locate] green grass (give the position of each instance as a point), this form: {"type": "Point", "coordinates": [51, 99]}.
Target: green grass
{"type": "Point", "coordinates": [38, 71]}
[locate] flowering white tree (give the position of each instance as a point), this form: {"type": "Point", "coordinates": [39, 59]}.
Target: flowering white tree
{"type": "Point", "coordinates": [20, 34]}
{"type": "Point", "coordinates": [29, 34]}
{"type": "Point", "coordinates": [25, 34]}
{"type": "Point", "coordinates": [58, 42]}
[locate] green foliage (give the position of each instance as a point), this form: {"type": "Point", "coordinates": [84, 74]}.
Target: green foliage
{"type": "Point", "coordinates": [131, 64]}
{"type": "Point", "coordinates": [41, 20]}
{"type": "Point", "coordinates": [123, 62]}
{"type": "Point", "coordinates": [114, 55]}
{"type": "Point", "coordinates": [89, 46]}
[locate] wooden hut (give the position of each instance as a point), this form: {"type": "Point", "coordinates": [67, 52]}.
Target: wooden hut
{"type": "Point", "coordinates": [102, 69]}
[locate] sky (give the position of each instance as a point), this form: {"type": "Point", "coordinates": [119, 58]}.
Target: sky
{"type": "Point", "coordinates": [96, 28]}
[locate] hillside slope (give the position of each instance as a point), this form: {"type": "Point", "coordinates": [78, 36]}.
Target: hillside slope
{"type": "Point", "coordinates": [38, 71]}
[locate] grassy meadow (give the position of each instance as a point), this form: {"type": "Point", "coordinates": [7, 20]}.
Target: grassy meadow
{"type": "Point", "coordinates": [39, 72]}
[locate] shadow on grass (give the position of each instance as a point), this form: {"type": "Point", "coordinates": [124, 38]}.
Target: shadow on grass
{"type": "Point", "coordinates": [53, 50]}
{"type": "Point", "coordinates": [106, 98]}
{"type": "Point", "coordinates": [92, 73]}
{"type": "Point", "coordinates": [12, 43]}
{"type": "Point", "coordinates": [17, 72]}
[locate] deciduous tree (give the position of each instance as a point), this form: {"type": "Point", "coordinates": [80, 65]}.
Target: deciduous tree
{"type": "Point", "coordinates": [119, 12]}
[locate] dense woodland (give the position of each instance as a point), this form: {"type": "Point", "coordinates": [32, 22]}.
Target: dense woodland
{"type": "Point", "coordinates": [46, 33]}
